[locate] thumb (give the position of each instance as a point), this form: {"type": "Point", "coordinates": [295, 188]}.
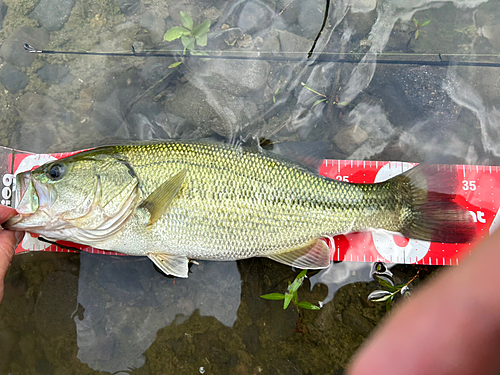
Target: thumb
{"type": "Point", "coordinates": [7, 246]}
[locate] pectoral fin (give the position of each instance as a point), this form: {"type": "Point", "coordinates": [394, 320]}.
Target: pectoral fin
{"type": "Point", "coordinates": [174, 265]}
{"type": "Point", "coordinates": [314, 255]}
{"type": "Point", "coordinates": [160, 199]}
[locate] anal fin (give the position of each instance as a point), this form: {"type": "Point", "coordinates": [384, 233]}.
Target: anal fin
{"type": "Point", "coordinates": [313, 255]}
{"type": "Point", "coordinates": [175, 265]}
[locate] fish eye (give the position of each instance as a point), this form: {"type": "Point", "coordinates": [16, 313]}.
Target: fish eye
{"type": "Point", "coordinates": [55, 171]}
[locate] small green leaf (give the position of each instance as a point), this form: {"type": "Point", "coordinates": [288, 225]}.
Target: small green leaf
{"type": "Point", "coordinates": [274, 99]}
{"type": "Point", "coordinates": [301, 274]}
{"type": "Point", "coordinates": [417, 33]}
{"type": "Point", "coordinates": [292, 288]}
{"type": "Point", "coordinates": [201, 40]}
{"type": "Point", "coordinates": [377, 295]}
{"type": "Point", "coordinates": [175, 33]}
{"type": "Point", "coordinates": [388, 304]}
{"type": "Point", "coordinates": [273, 296]}
{"type": "Point", "coordinates": [201, 29]}
{"type": "Point", "coordinates": [187, 42]}
{"type": "Point", "coordinates": [199, 53]}
{"type": "Point", "coordinates": [277, 91]}
{"type": "Point", "coordinates": [385, 281]}
{"type": "Point", "coordinates": [175, 64]}
{"type": "Point", "coordinates": [382, 299]}
{"type": "Point", "coordinates": [308, 306]}
{"type": "Point", "coordinates": [415, 21]}
{"type": "Point", "coordinates": [288, 299]}
{"type": "Point", "coordinates": [317, 102]}
{"type": "Point", "coordinates": [186, 20]}
{"type": "Point", "coordinates": [344, 103]}
{"type": "Point", "coordinates": [309, 88]}
{"type": "Point", "coordinates": [425, 23]}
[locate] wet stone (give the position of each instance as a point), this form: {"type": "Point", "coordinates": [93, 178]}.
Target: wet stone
{"type": "Point", "coordinates": [13, 48]}
{"type": "Point", "coordinates": [35, 135]}
{"type": "Point", "coordinates": [353, 318]}
{"type": "Point", "coordinates": [3, 12]}
{"type": "Point", "coordinates": [129, 7]}
{"type": "Point", "coordinates": [348, 139]}
{"type": "Point", "coordinates": [12, 78]}
{"type": "Point", "coordinates": [291, 42]}
{"type": "Point", "coordinates": [210, 112]}
{"type": "Point", "coordinates": [237, 77]}
{"type": "Point", "coordinates": [54, 320]}
{"type": "Point", "coordinates": [154, 23]}
{"type": "Point", "coordinates": [53, 73]}
{"type": "Point", "coordinates": [311, 18]}
{"type": "Point", "coordinates": [155, 69]}
{"type": "Point", "coordinates": [254, 16]}
{"type": "Point", "coordinates": [52, 14]}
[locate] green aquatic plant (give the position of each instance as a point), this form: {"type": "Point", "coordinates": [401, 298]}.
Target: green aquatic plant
{"type": "Point", "coordinates": [189, 35]}
{"type": "Point", "coordinates": [291, 294]}
{"type": "Point", "coordinates": [418, 27]}
{"type": "Point", "coordinates": [390, 290]}
{"type": "Point", "coordinates": [274, 95]}
{"type": "Point", "coordinates": [320, 97]}
{"type": "Point", "coordinates": [468, 31]}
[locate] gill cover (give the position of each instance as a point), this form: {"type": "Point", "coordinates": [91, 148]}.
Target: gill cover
{"type": "Point", "coordinates": [84, 198]}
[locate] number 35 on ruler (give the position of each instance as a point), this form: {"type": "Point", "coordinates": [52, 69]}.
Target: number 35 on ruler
{"type": "Point", "coordinates": [469, 185]}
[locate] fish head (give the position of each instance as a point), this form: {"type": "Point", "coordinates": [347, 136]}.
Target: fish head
{"type": "Point", "coordinates": [83, 191]}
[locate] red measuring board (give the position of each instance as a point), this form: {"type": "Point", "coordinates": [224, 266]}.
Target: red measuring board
{"type": "Point", "coordinates": [478, 191]}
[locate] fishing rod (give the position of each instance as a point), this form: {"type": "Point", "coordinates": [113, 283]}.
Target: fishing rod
{"type": "Point", "coordinates": [272, 56]}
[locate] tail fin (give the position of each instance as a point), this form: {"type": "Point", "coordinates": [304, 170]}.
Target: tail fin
{"type": "Point", "coordinates": [434, 215]}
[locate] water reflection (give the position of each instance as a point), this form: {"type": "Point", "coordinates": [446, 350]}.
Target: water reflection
{"type": "Point", "coordinates": [126, 301]}
{"type": "Point", "coordinates": [132, 317]}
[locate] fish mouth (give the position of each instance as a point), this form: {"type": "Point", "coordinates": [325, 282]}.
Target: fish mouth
{"type": "Point", "coordinates": [25, 202]}
{"type": "Point", "coordinates": [31, 197]}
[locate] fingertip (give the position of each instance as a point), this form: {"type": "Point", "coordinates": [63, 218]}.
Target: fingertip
{"type": "Point", "coordinates": [19, 237]}
{"type": "Point", "coordinates": [6, 213]}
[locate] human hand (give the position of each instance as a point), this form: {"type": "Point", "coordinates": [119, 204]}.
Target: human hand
{"type": "Point", "coordinates": [451, 326]}
{"type": "Point", "coordinates": [8, 241]}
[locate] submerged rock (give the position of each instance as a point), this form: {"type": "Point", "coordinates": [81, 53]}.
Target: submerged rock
{"type": "Point", "coordinates": [212, 111]}
{"type": "Point", "coordinates": [255, 16]}
{"type": "Point", "coordinates": [53, 73]}
{"type": "Point", "coordinates": [13, 48]}
{"type": "Point", "coordinates": [12, 78]}
{"type": "Point", "coordinates": [36, 135]}
{"type": "Point", "coordinates": [237, 77]}
{"type": "Point", "coordinates": [129, 7]}
{"type": "Point", "coordinates": [3, 12]}
{"type": "Point", "coordinates": [53, 14]}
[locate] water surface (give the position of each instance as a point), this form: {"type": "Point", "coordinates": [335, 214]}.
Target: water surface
{"type": "Point", "coordinates": [89, 314]}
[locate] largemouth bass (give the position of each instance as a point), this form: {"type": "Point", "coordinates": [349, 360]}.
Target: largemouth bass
{"type": "Point", "coordinates": [177, 201]}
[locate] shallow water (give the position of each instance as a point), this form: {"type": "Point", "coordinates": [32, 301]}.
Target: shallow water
{"type": "Point", "coordinates": [87, 314]}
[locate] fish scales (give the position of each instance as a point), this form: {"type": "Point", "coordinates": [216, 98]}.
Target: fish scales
{"type": "Point", "coordinates": [175, 201]}
{"type": "Point", "coordinates": [237, 203]}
